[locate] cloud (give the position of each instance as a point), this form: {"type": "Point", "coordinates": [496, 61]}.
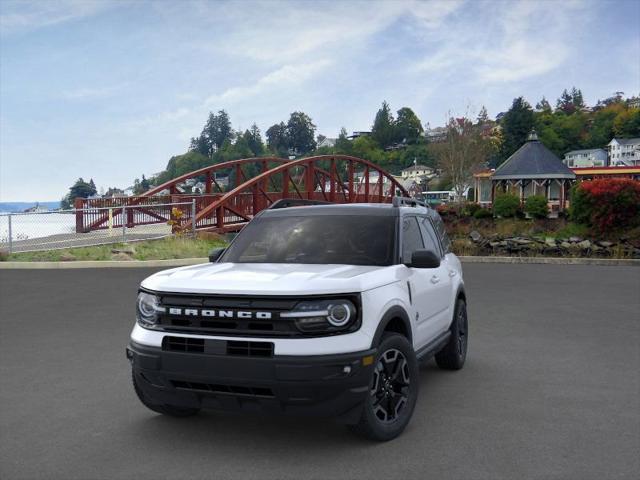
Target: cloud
{"type": "Point", "coordinates": [23, 15]}
{"type": "Point", "coordinates": [285, 77]}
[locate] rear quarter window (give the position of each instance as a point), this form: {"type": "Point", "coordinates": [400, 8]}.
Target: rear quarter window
{"type": "Point", "coordinates": [442, 232]}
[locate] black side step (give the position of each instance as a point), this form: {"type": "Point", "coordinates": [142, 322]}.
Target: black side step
{"type": "Point", "coordinates": [433, 347]}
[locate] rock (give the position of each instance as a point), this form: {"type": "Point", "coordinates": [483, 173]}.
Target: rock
{"type": "Point", "coordinates": [475, 236]}
{"type": "Point", "coordinates": [121, 257]}
{"type": "Point", "coordinates": [584, 244]}
{"type": "Point", "coordinates": [522, 241]}
{"type": "Point", "coordinates": [67, 257]}
{"type": "Point", "coordinates": [550, 241]}
{"type": "Point", "coordinates": [495, 244]}
{"type": "Point", "coordinates": [566, 245]}
{"type": "Point", "coordinates": [126, 251]}
{"type": "Point", "coordinates": [575, 239]}
{"type": "Point", "coordinates": [605, 244]}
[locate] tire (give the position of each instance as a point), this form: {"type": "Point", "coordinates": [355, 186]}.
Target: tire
{"type": "Point", "coordinates": [393, 391]}
{"type": "Point", "coordinates": [170, 410]}
{"type": "Point", "coordinates": [454, 353]}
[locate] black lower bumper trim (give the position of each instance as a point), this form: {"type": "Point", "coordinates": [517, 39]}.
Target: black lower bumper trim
{"type": "Point", "coordinates": [322, 385]}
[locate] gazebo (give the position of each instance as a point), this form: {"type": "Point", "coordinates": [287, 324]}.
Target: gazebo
{"type": "Point", "coordinates": [532, 170]}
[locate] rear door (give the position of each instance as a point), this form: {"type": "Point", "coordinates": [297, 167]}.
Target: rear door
{"type": "Point", "coordinates": [422, 282]}
{"type": "Point", "coordinates": [440, 277]}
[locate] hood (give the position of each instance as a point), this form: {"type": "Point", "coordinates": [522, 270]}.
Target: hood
{"type": "Point", "coordinates": [270, 279]}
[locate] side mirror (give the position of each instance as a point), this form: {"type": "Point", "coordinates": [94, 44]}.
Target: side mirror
{"type": "Point", "coordinates": [215, 254]}
{"type": "Point", "coordinates": [424, 259]}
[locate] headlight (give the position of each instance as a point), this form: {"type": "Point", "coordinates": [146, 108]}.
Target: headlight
{"type": "Point", "coordinates": [319, 316]}
{"type": "Point", "coordinates": [147, 309]}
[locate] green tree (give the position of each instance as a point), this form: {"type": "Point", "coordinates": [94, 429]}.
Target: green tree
{"type": "Point", "coordinates": [80, 189]}
{"type": "Point", "coordinates": [383, 130]}
{"type": "Point", "coordinates": [408, 126]}
{"type": "Point", "coordinates": [565, 103]}
{"type": "Point", "coordinates": [301, 133]}
{"type": "Point", "coordinates": [343, 144]}
{"type": "Point", "coordinates": [544, 106]}
{"type": "Point", "coordinates": [627, 124]}
{"type": "Point", "coordinates": [367, 148]}
{"type": "Point", "coordinates": [483, 116]}
{"type": "Point", "coordinates": [577, 99]}
{"type": "Point", "coordinates": [517, 123]}
{"type": "Point", "coordinates": [216, 131]}
{"type": "Point", "coordinates": [277, 139]}
{"type": "Point", "coordinates": [253, 138]}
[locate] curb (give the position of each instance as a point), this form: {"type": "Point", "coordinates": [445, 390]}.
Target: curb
{"type": "Point", "coordinates": [174, 262]}
{"type": "Point", "coordinates": [554, 261]}
{"type": "Point", "coordinates": [181, 262]}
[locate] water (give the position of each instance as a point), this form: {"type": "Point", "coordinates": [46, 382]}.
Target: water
{"type": "Point", "coordinates": [28, 226]}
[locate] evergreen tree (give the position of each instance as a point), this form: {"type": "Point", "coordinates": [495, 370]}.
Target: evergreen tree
{"type": "Point", "coordinates": [576, 99]}
{"type": "Point", "coordinates": [517, 123]}
{"type": "Point", "coordinates": [382, 130]}
{"type": "Point", "coordinates": [483, 116]}
{"type": "Point", "coordinates": [253, 139]}
{"type": "Point", "coordinates": [565, 103]}
{"type": "Point", "coordinates": [343, 144]}
{"type": "Point", "coordinates": [216, 131]}
{"type": "Point", "coordinates": [543, 106]}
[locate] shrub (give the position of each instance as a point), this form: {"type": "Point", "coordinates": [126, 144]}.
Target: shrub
{"type": "Point", "coordinates": [536, 206]}
{"type": "Point", "coordinates": [607, 204]}
{"type": "Point", "coordinates": [482, 213]}
{"type": "Point", "coordinates": [470, 208]}
{"type": "Point", "coordinates": [506, 205]}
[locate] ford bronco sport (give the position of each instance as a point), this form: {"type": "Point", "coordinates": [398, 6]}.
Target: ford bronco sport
{"type": "Point", "coordinates": [312, 309]}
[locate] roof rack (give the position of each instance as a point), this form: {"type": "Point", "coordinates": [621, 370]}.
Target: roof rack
{"type": "Point", "coordinates": [295, 202]}
{"type": "Point", "coordinates": [408, 202]}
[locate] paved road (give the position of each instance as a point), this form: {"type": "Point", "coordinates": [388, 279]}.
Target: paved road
{"type": "Point", "coordinates": [551, 390]}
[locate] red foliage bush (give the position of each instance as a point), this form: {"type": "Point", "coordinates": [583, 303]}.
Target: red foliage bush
{"type": "Point", "coordinates": [607, 204]}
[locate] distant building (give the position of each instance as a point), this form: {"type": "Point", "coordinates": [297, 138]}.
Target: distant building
{"type": "Point", "coordinates": [327, 142]}
{"type": "Point", "coordinates": [624, 152]}
{"type": "Point", "coordinates": [594, 157]}
{"type": "Point", "coordinates": [435, 135]}
{"type": "Point", "coordinates": [355, 135]}
{"type": "Point", "coordinates": [419, 173]}
{"type": "Point", "coordinates": [593, 173]}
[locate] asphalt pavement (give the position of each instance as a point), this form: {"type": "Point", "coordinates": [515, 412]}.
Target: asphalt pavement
{"type": "Point", "coordinates": [551, 389]}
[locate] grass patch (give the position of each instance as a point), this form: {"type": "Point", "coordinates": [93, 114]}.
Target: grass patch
{"type": "Point", "coordinates": [162, 249]}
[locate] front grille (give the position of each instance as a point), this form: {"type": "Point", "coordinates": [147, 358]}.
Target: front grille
{"type": "Point", "coordinates": [271, 327]}
{"type": "Point", "coordinates": [227, 389]}
{"type": "Point", "coordinates": [217, 347]}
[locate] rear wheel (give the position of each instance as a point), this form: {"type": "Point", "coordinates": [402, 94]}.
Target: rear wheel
{"type": "Point", "coordinates": [454, 353]}
{"type": "Point", "coordinates": [393, 390]}
{"type": "Point", "coordinates": [170, 410]}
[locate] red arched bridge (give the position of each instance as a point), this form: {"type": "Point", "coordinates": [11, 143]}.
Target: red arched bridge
{"type": "Point", "coordinates": [252, 184]}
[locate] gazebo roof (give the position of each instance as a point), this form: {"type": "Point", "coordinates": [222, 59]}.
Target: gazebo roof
{"type": "Point", "coordinates": [532, 160]}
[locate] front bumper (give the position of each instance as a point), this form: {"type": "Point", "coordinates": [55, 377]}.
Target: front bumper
{"type": "Point", "coordinates": [322, 385]}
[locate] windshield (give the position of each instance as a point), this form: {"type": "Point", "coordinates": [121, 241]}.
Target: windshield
{"type": "Point", "coordinates": [343, 239]}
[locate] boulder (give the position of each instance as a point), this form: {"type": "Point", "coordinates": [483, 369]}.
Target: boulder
{"type": "Point", "coordinates": [550, 241]}
{"type": "Point", "coordinates": [575, 239]}
{"type": "Point", "coordinates": [605, 244]}
{"type": "Point", "coordinates": [584, 244]}
{"type": "Point", "coordinates": [475, 236]}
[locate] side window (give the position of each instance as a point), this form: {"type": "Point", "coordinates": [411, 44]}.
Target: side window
{"type": "Point", "coordinates": [411, 238]}
{"type": "Point", "coordinates": [430, 238]}
{"type": "Point", "coordinates": [442, 233]}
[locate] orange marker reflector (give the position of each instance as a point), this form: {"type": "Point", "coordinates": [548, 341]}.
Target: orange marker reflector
{"type": "Point", "coordinates": [368, 360]}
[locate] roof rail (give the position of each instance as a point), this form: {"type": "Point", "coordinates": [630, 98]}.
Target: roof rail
{"type": "Point", "coordinates": [295, 202]}
{"type": "Point", "coordinates": [408, 202]}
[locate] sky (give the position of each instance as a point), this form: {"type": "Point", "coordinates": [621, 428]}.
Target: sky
{"type": "Point", "coordinates": [110, 90]}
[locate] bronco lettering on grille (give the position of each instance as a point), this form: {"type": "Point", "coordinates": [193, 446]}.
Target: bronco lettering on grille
{"type": "Point", "coordinates": [193, 312]}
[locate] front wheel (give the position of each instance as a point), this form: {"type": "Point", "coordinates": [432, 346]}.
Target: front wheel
{"type": "Point", "coordinates": [393, 390]}
{"type": "Point", "coordinates": [454, 353]}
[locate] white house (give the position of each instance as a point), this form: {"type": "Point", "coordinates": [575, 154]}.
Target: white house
{"type": "Point", "coordinates": [327, 142]}
{"type": "Point", "coordinates": [417, 172]}
{"type": "Point", "coordinates": [594, 157]}
{"type": "Point", "coordinates": [624, 152]}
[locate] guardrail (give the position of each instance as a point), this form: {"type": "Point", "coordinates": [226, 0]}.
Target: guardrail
{"type": "Point", "coordinates": [57, 229]}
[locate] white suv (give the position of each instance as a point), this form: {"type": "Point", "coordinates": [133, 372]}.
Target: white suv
{"type": "Point", "coordinates": [313, 309]}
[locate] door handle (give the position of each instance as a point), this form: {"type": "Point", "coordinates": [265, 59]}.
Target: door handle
{"type": "Point", "coordinates": [435, 279]}
{"type": "Point", "coordinates": [452, 273]}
